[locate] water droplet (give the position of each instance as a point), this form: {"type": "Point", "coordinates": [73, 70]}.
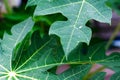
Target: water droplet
{"type": "Point", "coordinates": [80, 27]}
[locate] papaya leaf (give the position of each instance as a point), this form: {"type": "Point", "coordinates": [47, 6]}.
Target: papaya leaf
{"type": "Point", "coordinates": [98, 76]}
{"type": "Point", "coordinates": [96, 54]}
{"type": "Point", "coordinates": [115, 76]}
{"type": "Point", "coordinates": [115, 68]}
{"type": "Point", "coordinates": [51, 54]}
{"type": "Point", "coordinates": [73, 31]}
{"type": "Point", "coordinates": [32, 2]}
{"type": "Point", "coordinates": [21, 60]}
{"type": "Point", "coordinates": [76, 73]}
{"type": "Point", "coordinates": [48, 57]}
{"type": "Point", "coordinates": [8, 44]}
{"type": "Point", "coordinates": [20, 48]}
{"type": "Point", "coordinates": [35, 64]}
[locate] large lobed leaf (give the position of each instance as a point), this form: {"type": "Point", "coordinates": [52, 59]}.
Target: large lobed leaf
{"type": "Point", "coordinates": [35, 62]}
{"type": "Point", "coordinates": [40, 57]}
{"type": "Point", "coordinates": [8, 44]}
{"type": "Point", "coordinates": [73, 31]}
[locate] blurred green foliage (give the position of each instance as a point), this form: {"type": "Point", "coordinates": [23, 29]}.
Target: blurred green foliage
{"type": "Point", "coordinates": [115, 5]}
{"type": "Point", "coordinates": [20, 14]}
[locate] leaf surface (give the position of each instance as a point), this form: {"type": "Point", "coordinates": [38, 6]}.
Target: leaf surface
{"type": "Point", "coordinates": [76, 73]}
{"type": "Point", "coordinates": [115, 76]}
{"type": "Point", "coordinates": [9, 43]}
{"type": "Point", "coordinates": [35, 64]}
{"type": "Point", "coordinates": [50, 54]}
{"type": "Point", "coordinates": [98, 76]}
{"type": "Point", "coordinates": [78, 12]}
{"type": "Point", "coordinates": [96, 54]}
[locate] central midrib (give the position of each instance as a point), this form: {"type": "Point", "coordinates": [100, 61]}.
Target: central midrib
{"type": "Point", "coordinates": [74, 26]}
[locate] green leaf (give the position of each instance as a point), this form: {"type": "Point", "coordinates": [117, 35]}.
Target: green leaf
{"type": "Point", "coordinates": [36, 43]}
{"type": "Point", "coordinates": [20, 48]}
{"type": "Point", "coordinates": [78, 13]}
{"type": "Point", "coordinates": [50, 55]}
{"type": "Point", "coordinates": [115, 76]}
{"type": "Point", "coordinates": [98, 76]}
{"type": "Point", "coordinates": [114, 4]}
{"type": "Point", "coordinates": [32, 2]}
{"type": "Point", "coordinates": [9, 43]}
{"type": "Point", "coordinates": [115, 68]}
{"type": "Point", "coordinates": [36, 62]}
{"type": "Point", "coordinates": [98, 55]}
{"type": "Point", "coordinates": [95, 55]}
{"type": "Point", "coordinates": [76, 73]}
